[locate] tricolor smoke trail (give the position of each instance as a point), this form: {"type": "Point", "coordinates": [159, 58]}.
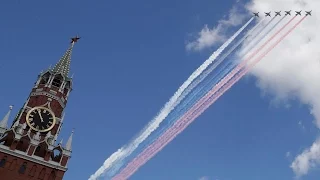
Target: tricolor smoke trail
{"type": "Point", "coordinates": [198, 92]}
{"type": "Point", "coordinates": [195, 112]}
{"type": "Point", "coordinates": [185, 105]}
{"type": "Point", "coordinates": [115, 160]}
{"type": "Point", "coordinates": [181, 108]}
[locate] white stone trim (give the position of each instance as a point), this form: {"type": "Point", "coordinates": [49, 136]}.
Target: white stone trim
{"type": "Point", "coordinates": [66, 152]}
{"type": "Point", "coordinates": [50, 81]}
{"type": "Point", "coordinates": [63, 100]}
{"type": "Point", "coordinates": [53, 92]}
{"type": "Point", "coordinates": [62, 86]}
{"type": "Point", "coordinates": [40, 89]}
{"type": "Point", "coordinates": [68, 93]}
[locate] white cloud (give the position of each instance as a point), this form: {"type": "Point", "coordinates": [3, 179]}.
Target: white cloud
{"type": "Point", "coordinates": [208, 37]}
{"type": "Point", "coordinates": [310, 158]}
{"type": "Point", "coordinates": [292, 70]}
{"type": "Point", "coordinates": [235, 18]}
{"type": "Point", "coordinates": [204, 178]}
{"type": "Point", "coordinates": [288, 154]}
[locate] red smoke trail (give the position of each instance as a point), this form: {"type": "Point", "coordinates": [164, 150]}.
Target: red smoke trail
{"type": "Point", "coordinates": [176, 129]}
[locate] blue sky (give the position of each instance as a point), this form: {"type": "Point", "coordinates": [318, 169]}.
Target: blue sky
{"type": "Point", "coordinates": [129, 62]}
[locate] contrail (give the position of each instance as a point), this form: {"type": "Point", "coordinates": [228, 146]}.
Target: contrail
{"type": "Point", "coordinates": [136, 166]}
{"type": "Point", "coordinates": [254, 43]}
{"type": "Point", "coordinates": [183, 123]}
{"type": "Point", "coordinates": [260, 30]}
{"type": "Point", "coordinates": [174, 115]}
{"type": "Point", "coordinates": [169, 106]}
{"type": "Point", "coordinates": [184, 106]}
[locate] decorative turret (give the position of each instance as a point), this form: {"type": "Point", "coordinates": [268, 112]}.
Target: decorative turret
{"type": "Point", "coordinates": [69, 142]}
{"type": "Point", "coordinates": [4, 121]}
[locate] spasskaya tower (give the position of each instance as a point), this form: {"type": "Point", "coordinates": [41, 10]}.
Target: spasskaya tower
{"type": "Point", "coordinates": [28, 148]}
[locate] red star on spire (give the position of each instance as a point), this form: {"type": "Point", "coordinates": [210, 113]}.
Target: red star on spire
{"type": "Point", "coordinates": [74, 39]}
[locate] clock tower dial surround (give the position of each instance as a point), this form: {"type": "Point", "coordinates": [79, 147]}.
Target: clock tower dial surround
{"type": "Point", "coordinates": [41, 119]}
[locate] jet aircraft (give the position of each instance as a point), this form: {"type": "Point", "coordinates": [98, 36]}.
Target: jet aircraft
{"type": "Point", "coordinates": [288, 12]}
{"type": "Point", "coordinates": [298, 13]}
{"type": "Point", "coordinates": [308, 13]}
{"type": "Point", "coordinates": [277, 13]}
{"type": "Point", "coordinates": [268, 14]}
{"type": "Point", "coordinates": [256, 14]}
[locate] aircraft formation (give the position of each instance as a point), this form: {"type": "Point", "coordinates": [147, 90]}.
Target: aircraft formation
{"type": "Point", "coordinates": [278, 13]}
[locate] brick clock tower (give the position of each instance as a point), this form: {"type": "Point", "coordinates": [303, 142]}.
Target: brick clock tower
{"type": "Point", "coordinates": [28, 148]}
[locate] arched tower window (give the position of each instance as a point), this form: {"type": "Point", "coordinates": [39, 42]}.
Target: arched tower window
{"type": "Point", "coordinates": [57, 81]}
{"type": "Point", "coordinates": [23, 168]}
{"type": "Point", "coordinates": [23, 144]}
{"type": "Point", "coordinates": [41, 150]}
{"type": "Point", "coordinates": [56, 155]}
{"type": "Point", "coordinates": [45, 78]}
{"type": "Point", "coordinates": [3, 161]}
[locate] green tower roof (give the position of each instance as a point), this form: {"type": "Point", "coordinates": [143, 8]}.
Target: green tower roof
{"type": "Point", "coordinates": [63, 66]}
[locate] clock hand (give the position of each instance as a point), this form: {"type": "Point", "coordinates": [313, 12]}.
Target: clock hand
{"type": "Point", "coordinates": [40, 115]}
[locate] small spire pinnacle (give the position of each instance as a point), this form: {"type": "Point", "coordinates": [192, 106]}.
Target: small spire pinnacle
{"type": "Point", "coordinates": [69, 142]}
{"type": "Point", "coordinates": [4, 122]}
{"type": "Point", "coordinates": [63, 66]}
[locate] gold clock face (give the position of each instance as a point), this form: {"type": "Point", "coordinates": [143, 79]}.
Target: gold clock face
{"type": "Point", "coordinates": [41, 119]}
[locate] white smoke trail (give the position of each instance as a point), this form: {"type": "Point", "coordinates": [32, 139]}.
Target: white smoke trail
{"type": "Point", "coordinates": [126, 150]}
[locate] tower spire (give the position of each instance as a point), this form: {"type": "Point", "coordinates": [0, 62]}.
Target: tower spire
{"type": "Point", "coordinates": [4, 122]}
{"type": "Point", "coordinates": [63, 66]}
{"type": "Point", "coordinates": [69, 142]}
